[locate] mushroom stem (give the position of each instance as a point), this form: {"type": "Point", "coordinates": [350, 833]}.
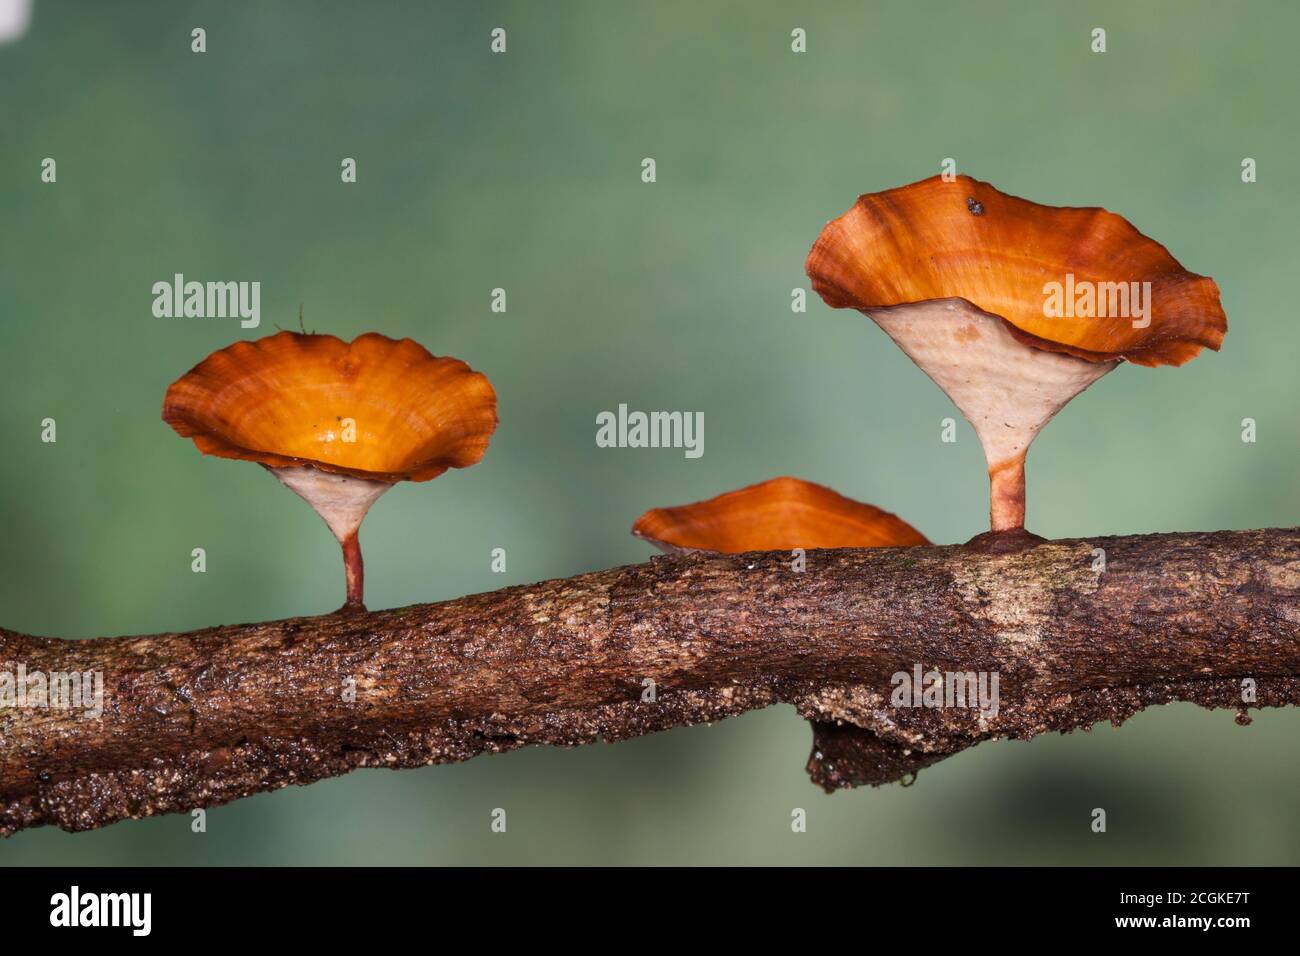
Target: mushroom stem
{"type": "Point", "coordinates": [1007, 390]}
{"type": "Point", "coordinates": [355, 573]}
{"type": "Point", "coordinates": [1007, 495]}
{"type": "Point", "coordinates": [342, 501]}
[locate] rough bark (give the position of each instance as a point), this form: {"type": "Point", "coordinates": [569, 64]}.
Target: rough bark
{"type": "Point", "coordinates": [198, 719]}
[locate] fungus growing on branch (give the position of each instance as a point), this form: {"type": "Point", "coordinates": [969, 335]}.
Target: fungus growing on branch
{"type": "Point", "coordinates": [1011, 307]}
{"type": "Point", "coordinates": [339, 423]}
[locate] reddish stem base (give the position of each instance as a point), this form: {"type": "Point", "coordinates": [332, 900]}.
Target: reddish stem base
{"type": "Point", "coordinates": [1007, 495]}
{"type": "Point", "coordinates": [355, 572]}
{"type": "Point", "coordinates": [1003, 542]}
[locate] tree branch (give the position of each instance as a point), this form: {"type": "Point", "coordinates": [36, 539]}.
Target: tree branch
{"type": "Point", "coordinates": [198, 719]}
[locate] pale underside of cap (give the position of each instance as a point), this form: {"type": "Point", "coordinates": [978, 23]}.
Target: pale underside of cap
{"type": "Point", "coordinates": [1007, 390]}
{"type": "Point", "coordinates": [341, 500]}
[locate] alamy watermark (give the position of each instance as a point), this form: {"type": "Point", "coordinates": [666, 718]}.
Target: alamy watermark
{"type": "Point", "coordinates": [1084, 299]}
{"type": "Point", "coordinates": [54, 690]}
{"type": "Point", "coordinates": [208, 300]}
{"type": "Point", "coordinates": [75, 908]}
{"type": "Point", "coordinates": [635, 429]}
{"type": "Point", "coordinates": [940, 689]}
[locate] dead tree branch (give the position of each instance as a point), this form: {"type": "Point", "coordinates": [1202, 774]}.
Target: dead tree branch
{"type": "Point", "coordinates": [198, 719]}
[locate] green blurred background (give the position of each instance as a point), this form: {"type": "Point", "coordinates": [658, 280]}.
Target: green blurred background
{"type": "Point", "coordinates": [522, 171]}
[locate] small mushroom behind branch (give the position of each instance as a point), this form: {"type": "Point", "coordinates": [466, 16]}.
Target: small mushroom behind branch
{"type": "Point", "coordinates": [775, 515]}
{"type": "Point", "coordinates": [339, 423]}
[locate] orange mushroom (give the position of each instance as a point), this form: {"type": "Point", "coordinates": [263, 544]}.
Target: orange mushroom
{"type": "Point", "coordinates": [339, 423]}
{"type": "Point", "coordinates": [1011, 307]}
{"type": "Point", "coordinates": [776, 515]}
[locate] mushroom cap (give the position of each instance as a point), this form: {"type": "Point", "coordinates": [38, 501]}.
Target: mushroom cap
{"type": "Point", "coordinates": [938, 239]}
{"type": "Point", "coordinates": [282, 401]}
{"type": "Point", "coordinates": [775, 515]}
